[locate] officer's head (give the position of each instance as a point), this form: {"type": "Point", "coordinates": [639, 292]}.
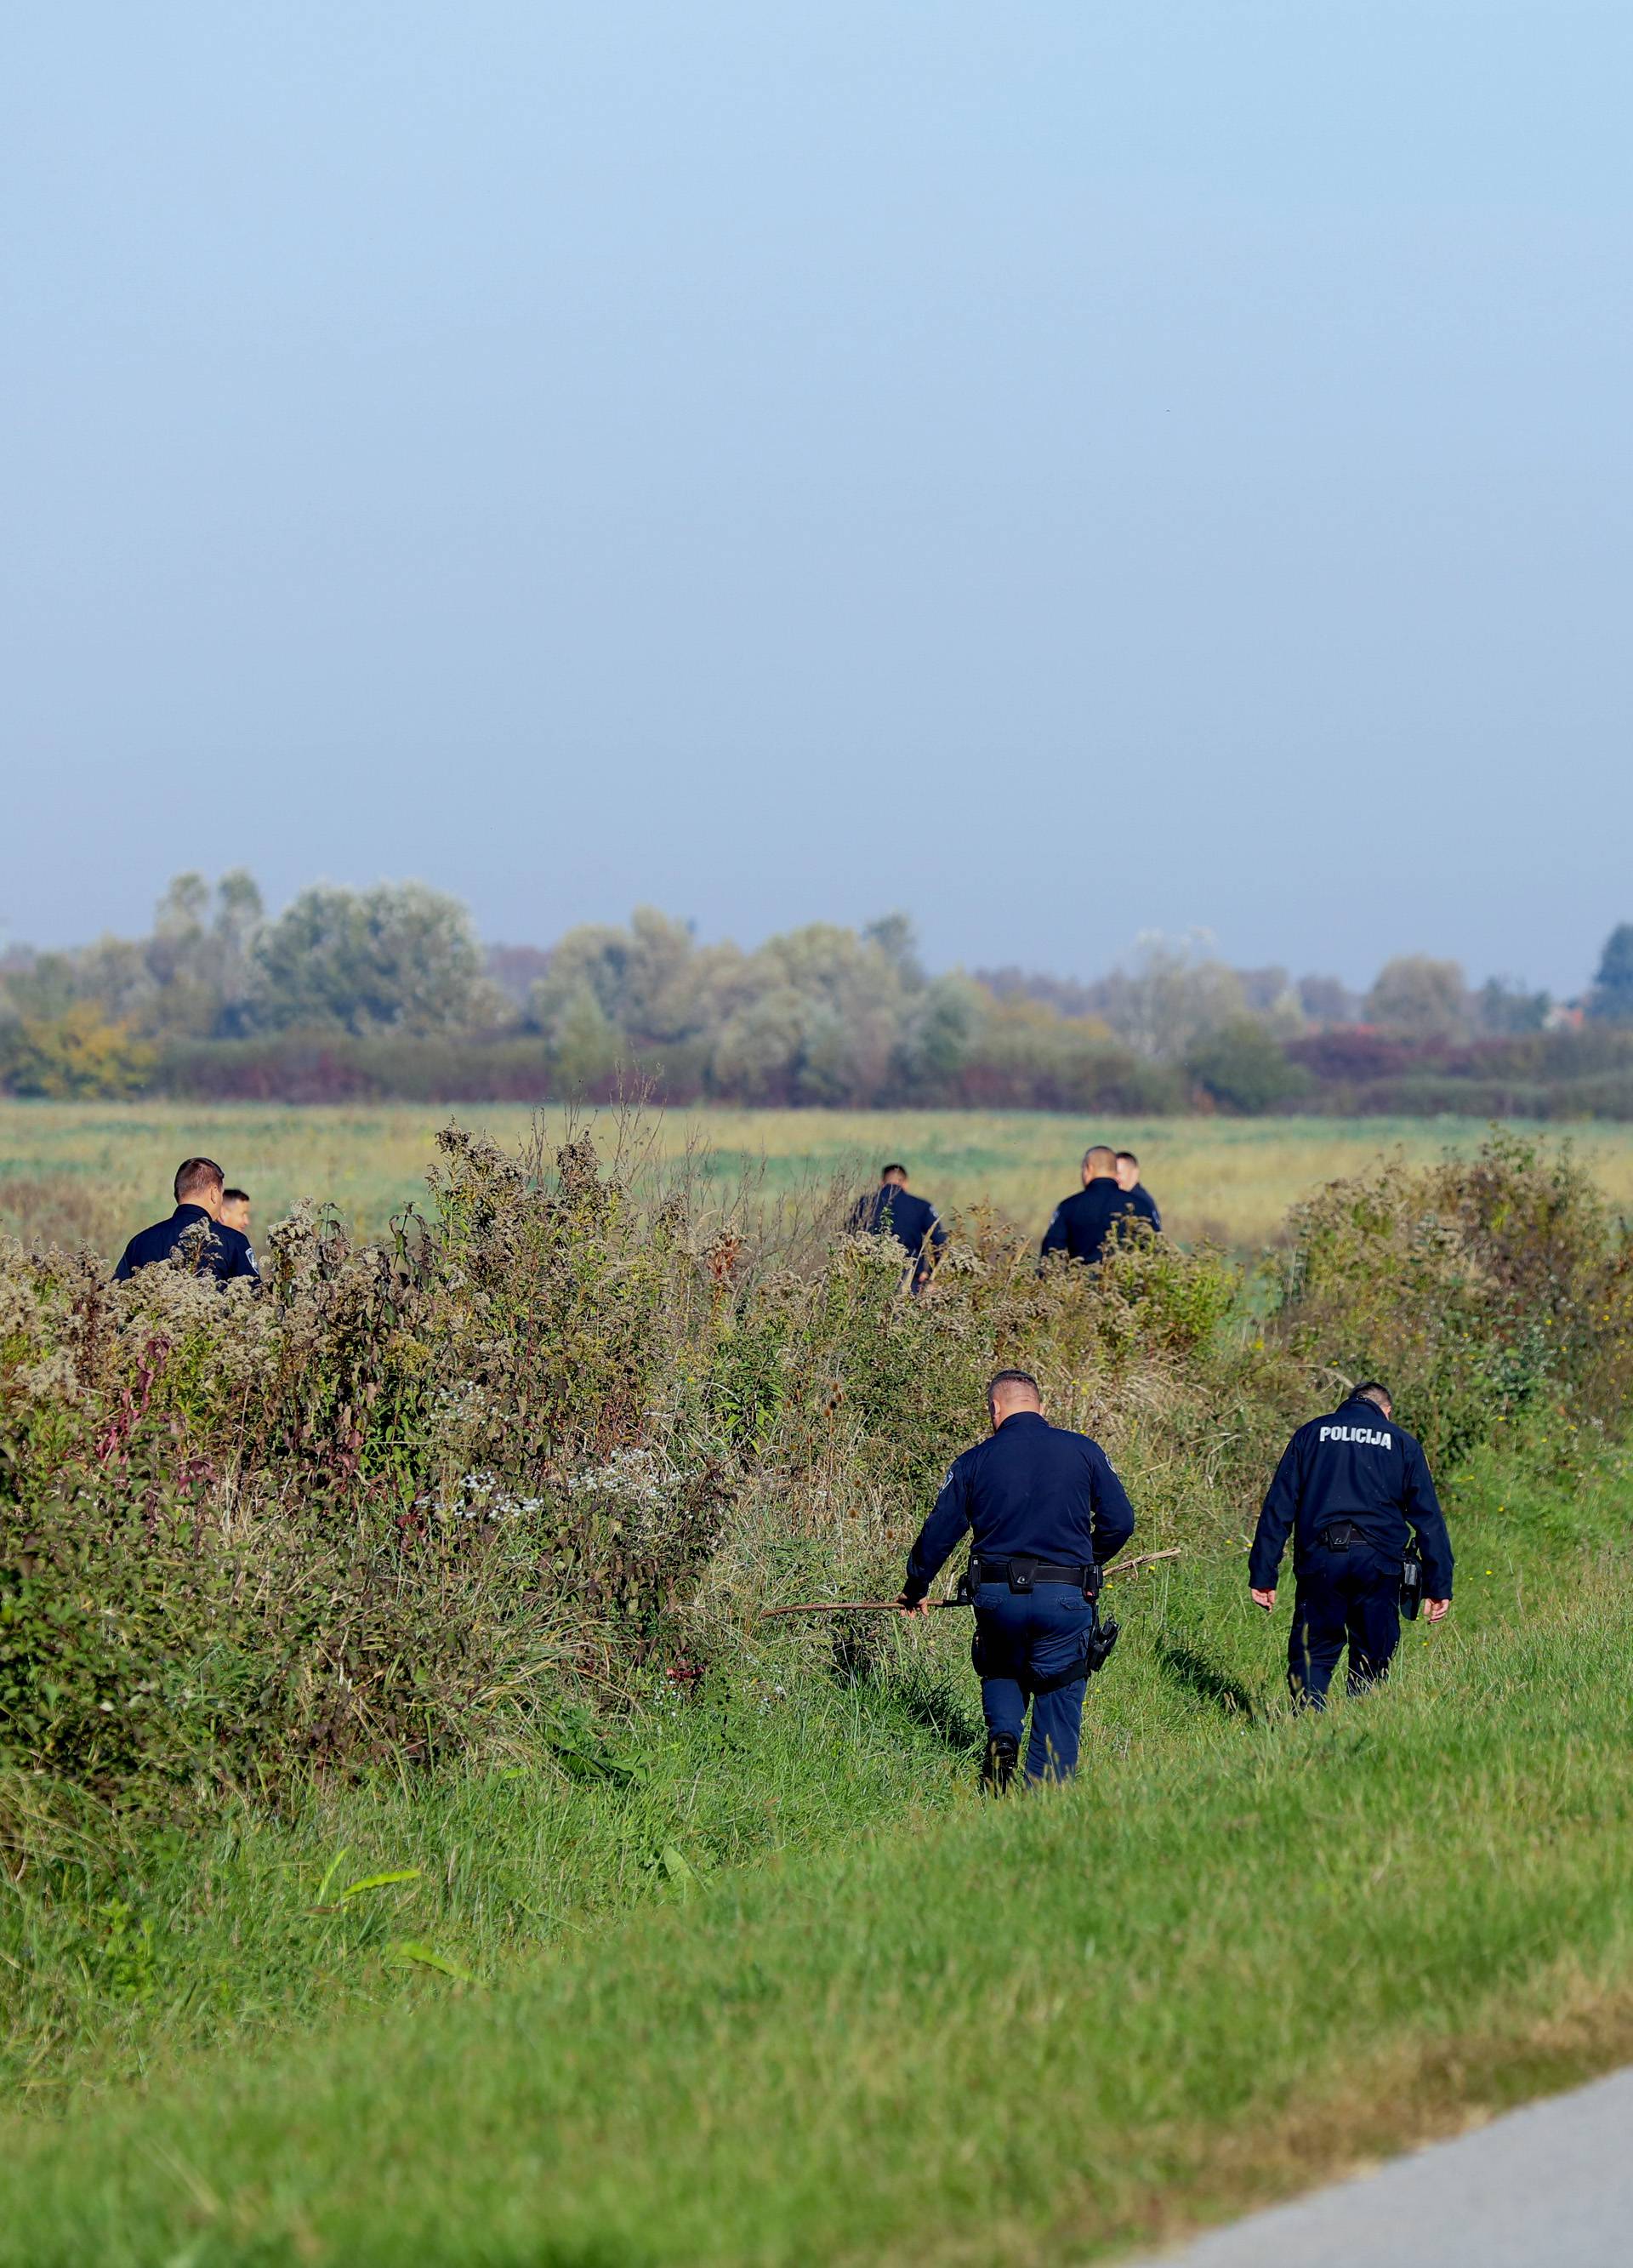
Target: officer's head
{"type": "Point", "coordinates": [1009, 1391]}
{"type": "Point", "coordinates": [897, 1175]}
{"type": "Point", "coordinates": [1127, 1167]}
{"type": "Point", "coordinates": [1100, 1164]}
{"type": "Point", "coordinates": [199, 1181]}
{"type": "Point", "coordinates": [235, 1211]}
{"type": "Point", "coordinates": [1370, 1391]}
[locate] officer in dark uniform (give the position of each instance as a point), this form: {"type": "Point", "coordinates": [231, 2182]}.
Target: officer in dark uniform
{"type": "Point", "coordinates": [1128, 1170]}
{"type": "Point", "coordinates": [220, 1252]}
{"type": "Point", "coordinates": [1350, 1488]}
{"type": "Point", "coordinates": [1046, 1511]}
{"type": "Point", "coordinates": [1083, 1222]}
{"type": "Point", "coordinates": [913, 1221]}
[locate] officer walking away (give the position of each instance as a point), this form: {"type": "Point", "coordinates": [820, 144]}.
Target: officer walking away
{"type": "Point", "coordinates": [1127, 1167]}
{"type": "Point", "coordinates": [1083, 1222]}
{"type": "Point", "coordinates": [1046, 1511]}
{"type": "Point", "coordinates": [218, 1250]}
{"type": "Point", "coordinates": [1351, 1489]}
{"type": "Point", "coordinates": [913, 1221]}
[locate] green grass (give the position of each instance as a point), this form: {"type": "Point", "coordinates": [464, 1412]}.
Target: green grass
{"type": "Point", "coordinates": [1246, 1948]}
{"type": "Point", "coordinates": [97, 1171]}
{"type": "Point", "coordinates": [121, 1943]}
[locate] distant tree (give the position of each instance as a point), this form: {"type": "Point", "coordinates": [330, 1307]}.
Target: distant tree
{"type": "Point", "coordinates": [651, 980]}
{"type": "Point", "coordinates": [1327, 1000]}
{"type": "Point", "coordinates": [1173, 997]}
{"type": "Point", "coordinates": [1611, 999]}
{"type": "Point", "coordinates": [515, 969]}
{"type": "Point", "coordinates": [80, 1053]}
{"type": "Point", "coordinates": [1242, 1067]}
{"type": "Point", "coordinates": [940, 1027]}
{"type": "Point", "coordinates": [1503, 1008]}
{"type": "Point", "coordinates": [894, 935]}
{"type": "Point", "coordinates": [397, 957]}
{"type": "Point", "coordinates": [1420, 998]}
{"type": "Point", "coordinates": [584, 1043]}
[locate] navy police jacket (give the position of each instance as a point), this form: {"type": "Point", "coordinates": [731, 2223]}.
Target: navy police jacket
{"type": "Point", "coordinates": [1360, 1466]}
{"type": "Point", "coordinates": [1030, 1490]}
{"type": "Point", "coordinates": [225, 1253]}
{"type": "Point", "coordinates": [1083, 1222]}
{"type": "Point", "coordinates": [894, 1211]}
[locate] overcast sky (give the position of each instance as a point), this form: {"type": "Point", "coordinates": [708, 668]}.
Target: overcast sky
{"type": "Point", "coordinates": [1064, 469]}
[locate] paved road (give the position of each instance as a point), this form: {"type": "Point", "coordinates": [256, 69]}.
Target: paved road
{"type": "Point", "coordinates": [1547, 2187]}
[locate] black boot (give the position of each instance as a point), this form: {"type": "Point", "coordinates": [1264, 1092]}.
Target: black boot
{"type": "Point", "coordinates": [998, 1768]}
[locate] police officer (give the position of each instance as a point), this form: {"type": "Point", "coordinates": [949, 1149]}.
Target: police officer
{"type": "Point", "coordinates": [1046, 1511]}
{"type": "Point", "coordinates": [1083, 1221]}
{"type": "Point", "coordinates": [1348, 1488]}
{"type": "Point", "coordinates": [220, 1252]}
{"type": "Point", "coordinates": [913, 1221]}
{"type": "Point", "coordinates": [1127, 1167]}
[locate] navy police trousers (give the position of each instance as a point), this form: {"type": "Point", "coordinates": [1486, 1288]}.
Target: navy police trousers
{"type": "Point", "coordinates": [1030, 1645]}
{"type": "Point", "coordinates": [1344, 1597]}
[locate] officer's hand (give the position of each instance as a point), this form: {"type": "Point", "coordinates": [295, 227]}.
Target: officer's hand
{"type": "Point", "coordinates": [1265, 1599]}
{"type": "Point", "coordinates": [913, 1606]}
{"type": "Point", "coordinates": [1436, 1609]}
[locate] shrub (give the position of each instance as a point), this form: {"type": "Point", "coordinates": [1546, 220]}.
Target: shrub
{"type": "Point", "coordinates": [82, 1053]}
{"type": "Point", "coordinates": [1245, 1068]}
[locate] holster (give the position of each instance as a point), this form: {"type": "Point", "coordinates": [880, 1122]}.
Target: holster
{"type": "Point", "coordinates": [1411, 1582]}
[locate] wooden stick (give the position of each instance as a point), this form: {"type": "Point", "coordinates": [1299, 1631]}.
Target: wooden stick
{"type": "Point", "coordinates": [1145, 1559]}
{"type": "Point", "coordinates": [891, 1606]}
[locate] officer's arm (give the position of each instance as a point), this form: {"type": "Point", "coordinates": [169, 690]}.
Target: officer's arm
{"type": "Point", "coordinates": [125, 1271]}
{"type": "Point", "coordinates": [1422, 1507]}
{"type": "Point", "coordinates": [937, 1234]}
{"type": "Point", "coordinates": [1275, 1521]}
{"type": "Point", "coordinates": [1054, 1235]}
{"type": "Point", "coordinates": [937, 1538]}
{"type": "Point", "coordinates": [1147, 1205]}
{"type": "Point", "coordinates": [1114, 1514]}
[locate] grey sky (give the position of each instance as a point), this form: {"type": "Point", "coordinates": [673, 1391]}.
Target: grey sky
{"type": "Point", "coordinates": [1061, 468]}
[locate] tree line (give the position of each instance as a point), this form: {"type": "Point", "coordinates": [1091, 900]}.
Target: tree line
{"type": "Point", "coordinates": [389, 990]}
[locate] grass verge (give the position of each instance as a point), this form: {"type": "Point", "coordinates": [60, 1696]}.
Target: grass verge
{"type": "Point", "coordinates": [1248, 1949]}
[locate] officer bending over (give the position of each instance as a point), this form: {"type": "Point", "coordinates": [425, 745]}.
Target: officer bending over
{"type": "Point", "coordinates": [1350, 1487]}
{"type": "Point", "coordinates": [217, 1250]}
{"type": "Point", "coordinates": [1046, 1511]}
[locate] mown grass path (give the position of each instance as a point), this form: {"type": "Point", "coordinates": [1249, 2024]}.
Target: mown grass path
{"type": "Point", "coordinates": [1248, 1949]}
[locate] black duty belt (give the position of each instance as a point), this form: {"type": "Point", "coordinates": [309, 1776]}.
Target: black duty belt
{"type": "Point", "coordinates": [1340, 1534]}
{"type": "Point", "coordinates": [1021, 1575]}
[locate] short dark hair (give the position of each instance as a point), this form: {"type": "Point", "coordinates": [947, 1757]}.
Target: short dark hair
{"type": "Point", "coordinates": [1369, 1389]}
{"type": "Point", "coordinates": [885, 1172]}
{"type": "Point", "coordinates": [1013, 1378]}
{"type": "Point", "coordinates": [1130, 1155]}
{"type": "Point", "coordinates": [235, 1196]}
{"type": "Point", "coordinates": [195, 1174]}
{"type": "Point", "coordinates": [1099, 1150]}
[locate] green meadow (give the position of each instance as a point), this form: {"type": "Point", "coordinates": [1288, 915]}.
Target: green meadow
{"type": "Point", "coordinates": [95, 1171]}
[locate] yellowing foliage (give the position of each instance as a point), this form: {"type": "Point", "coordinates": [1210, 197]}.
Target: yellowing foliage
{"type": "Point", "coordinates": [80, 1054]}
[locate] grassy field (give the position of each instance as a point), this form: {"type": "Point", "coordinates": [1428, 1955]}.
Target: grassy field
{"type": "Point", "coordinates": [1245, 1950]}
{"type": "Point", "coordinates": [96, 1171]}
